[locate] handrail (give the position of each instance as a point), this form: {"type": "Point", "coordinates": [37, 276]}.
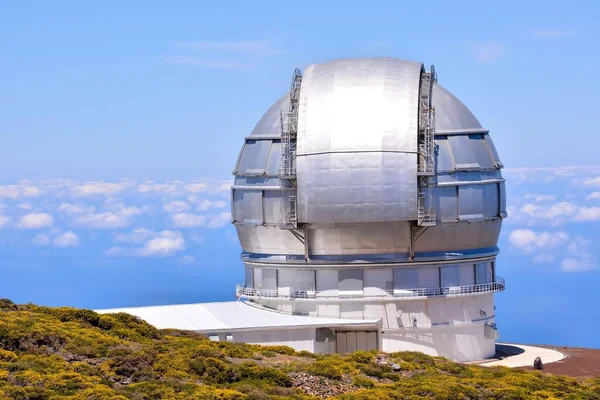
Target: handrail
{"type": "Point", "coordinates": [406, 294]}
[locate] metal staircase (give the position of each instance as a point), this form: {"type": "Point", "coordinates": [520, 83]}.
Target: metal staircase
{"type": "Point", "coordinates": [426, 150]}
{"type": "Point", "coordinates": [287, 167]}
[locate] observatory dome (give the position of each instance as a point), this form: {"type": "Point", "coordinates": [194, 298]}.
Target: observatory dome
{"type": "Point", "coordinates": [369, 181]}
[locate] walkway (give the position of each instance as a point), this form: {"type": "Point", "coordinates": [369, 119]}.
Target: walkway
{"type": "Point", "coordinates": [519, 355]}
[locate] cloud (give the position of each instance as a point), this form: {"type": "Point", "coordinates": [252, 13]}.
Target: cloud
{"type": "Point", "coordinates": [36, 221]}
{"type": "Point", "coordinates": [98, 189]}
{"type": "Point", "coordinates": [256, 47]}
{"type": "Point", "coordinates": [186, 220]}
{"type": "Point", "coordinates": [105, 220]}
{"type": "Point", "coordinates": [41, 240]}
{"type": "Point", "coordinates": [561, 213]}
{"type": "Point", "coordinates": [571, 264]}
{"type": "Point", "coordinates": [541, 197]}
{"type": "Point", "coordinates": [487, 52]}
{"type": "Point", "coordinates": [176, 206]}
{"type": "Point", "coordinates": [165, 244]}
{"type": "Point", "coordinates": [4, 220]}
{"type": "Point", "coordinates": [207, 63]}
{"type": "Point", "coordinates": [552, 33]}
{"type": "Point", "coordinates": [138, 235]}
{"type": "Point", "coordinates": [592, 181]}
{"type": "Point", "coordinates": [209, 204]}
{"type": "Point", "coordinates": [18, 191]}
{"type": "Point", "coordinates": [196, 187]}
{"type": "Point", "coordinates": [530, 241]}
{"type": "Point", "coordinates": [545, 247]}
{"type": "Point", "coordinates": [67, 239]}
{"type": "Point", "coordinates": [593, 196]}
{"type": "Point", "coordinates": [69, 208]}
{"type": "Point", "coordinates": [25, 206]}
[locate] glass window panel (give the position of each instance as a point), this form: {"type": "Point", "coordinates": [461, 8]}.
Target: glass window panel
{"type": "Point", "coordinates": [272, 207]}
{"type": "Point", "coordinates": [470, 151]}
{"type": "Point", "coordinates": [492, 147]}
{"type": "Point", "coordinates": [470, 202]}
{"type": "Point", "coordinates": [247, 206]}
{"type": "Point", "coordinates": [444, 156]}
{"type": "Point", "coordinates": [297, 279]}
{"type": "Point", "coordinates": [450, 276]}
{"type": "Point", "coordinates": [350, 279]}
{"type": "Point", "coordinates": [406, 278]}
{"type": "Point", "coordinates": [483, 273]}
{"type": "Point", "coordinates": [253, 160]}
{"type": "Point", "coordinates": [491, 199]}
{"type": "Point", "coordinates": [447, 203]}
{"type": "Point", "coordinates": [249, 277]}
{"type": "Point", "coordinates": [269, 279]}
{"type": "Point", "coordinates": [502, 189]}
{"type": "Point", "coordinates": [274, 159]}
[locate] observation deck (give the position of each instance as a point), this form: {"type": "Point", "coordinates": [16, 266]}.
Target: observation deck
{"type": "Point", "coordinates": [497, 285]}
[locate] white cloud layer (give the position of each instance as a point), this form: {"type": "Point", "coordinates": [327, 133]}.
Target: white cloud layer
{"type": "Point", "coordinates": [67, 239]}
{"type": "Point", "coordinates": [147, 243]}
{"type": "Point", "coordinates": [187, 220]}
{"type": "Point", "coordinates": [546, 246]}
{"type": "Point", "coordinates": [36, 221]}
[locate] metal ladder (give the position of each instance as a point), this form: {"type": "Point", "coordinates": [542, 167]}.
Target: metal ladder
{"type": "Point", "coordinates": [426, 150]}
{"type": "Point", "coordinates": [287, 167]}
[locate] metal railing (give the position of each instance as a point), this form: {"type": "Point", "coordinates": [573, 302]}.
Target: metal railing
{"type": "Point", "coordinates": [404, 294]}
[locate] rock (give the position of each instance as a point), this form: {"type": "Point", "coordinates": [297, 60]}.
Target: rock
{"type": "Point", "coordinates": [396, 367]}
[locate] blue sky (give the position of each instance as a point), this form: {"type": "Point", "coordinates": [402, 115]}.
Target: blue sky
{"type": "Point", "coordinates": [121, 124]}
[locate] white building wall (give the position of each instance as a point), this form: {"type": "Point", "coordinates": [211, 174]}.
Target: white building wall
{"type": "Point", "coordinates": [299, 339]}
{"type": "Point", "coordinates": [458, 342]}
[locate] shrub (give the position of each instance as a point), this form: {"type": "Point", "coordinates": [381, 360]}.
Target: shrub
{"type": "Point", "coordinates": [361, 381]}
{"type": "Point", "coordinates": [326, 369]}
{"type": "Point", "coordinates": [251, 371]}
{"type": "Point", "coordinates": [6, 355]}
{"type": "Point", "coordinates": [362, 356]}
{"type": "Point", "coordinates": [268, 353]}
{"type": "Point", "coordinates": [280, 350]}
{"type": "Point", "coordinates": [236, 350]}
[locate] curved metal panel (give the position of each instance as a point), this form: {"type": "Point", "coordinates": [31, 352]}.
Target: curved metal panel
{"type": "Point", "coordinates": [357, 141]}
{"type": "Point", "coordinates": [270, 123]}
{"type": "Point", "coordinates": [450, 113]}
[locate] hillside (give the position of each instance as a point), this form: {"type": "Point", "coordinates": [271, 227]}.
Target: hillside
{"type": "Point", "coordinates": [65, 353]}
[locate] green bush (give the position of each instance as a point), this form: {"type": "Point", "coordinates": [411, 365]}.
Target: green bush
{"type": "Point", "coordinates": [251, 371]}
{"type": "Point", "coordinates": [361, 356]}
{"type": "Point", "coordinates": [361, 381]}
{"type": "Point", "coordinates": [326, 369]}
{"type": "Point", "coordinates": [62, 353]}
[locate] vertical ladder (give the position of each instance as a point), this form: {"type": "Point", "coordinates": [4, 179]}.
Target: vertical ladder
{"type": "Point", "coordinates": [426, 150]}
{"type": "Point", "coordinates": [287, 167]}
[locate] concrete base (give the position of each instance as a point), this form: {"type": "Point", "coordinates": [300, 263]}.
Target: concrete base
{"type": "Point", "coordinates": [519, 355]}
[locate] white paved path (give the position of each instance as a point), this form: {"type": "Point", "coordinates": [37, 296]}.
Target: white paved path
{"type": "Point", "coordinates": [525, 356]}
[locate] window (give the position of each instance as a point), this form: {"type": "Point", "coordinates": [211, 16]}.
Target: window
{"type": "Point", "coordinates": [247, 206]}
{"type": "Point", "coordinates": [483, 273]}
{"type": "Point", "coordinates": [444, 156]}
{"type": "Point", "coordinates": [448, 203]}
{"type": "Point", "coordinates": [272, 207]}
{"type": "Point", "coordinates": [350, 280]}
{"type": "Point", "coordinates": [274, 159]}
{"type": "Point", "coordinates": [406, 278]}
{"type": "Point", "coordinates": [253, 160]}
{"type": "Point", "coordinates": [450, 275]}
{"type": "Point", "coordinates": [470, 152]}
{"type": "Point", "coordinates": [249, 277]}
{"type": "Point", "coordinates": [269, 279]}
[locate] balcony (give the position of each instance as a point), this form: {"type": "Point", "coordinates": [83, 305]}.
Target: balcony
{"type": "Point", "coordinates": [397, 294]}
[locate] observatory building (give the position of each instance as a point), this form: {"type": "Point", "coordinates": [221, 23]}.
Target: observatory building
{"type": "Point", "coordinates": [370, 192]}
{"type": "Point", "coordinates": [368, 201]}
